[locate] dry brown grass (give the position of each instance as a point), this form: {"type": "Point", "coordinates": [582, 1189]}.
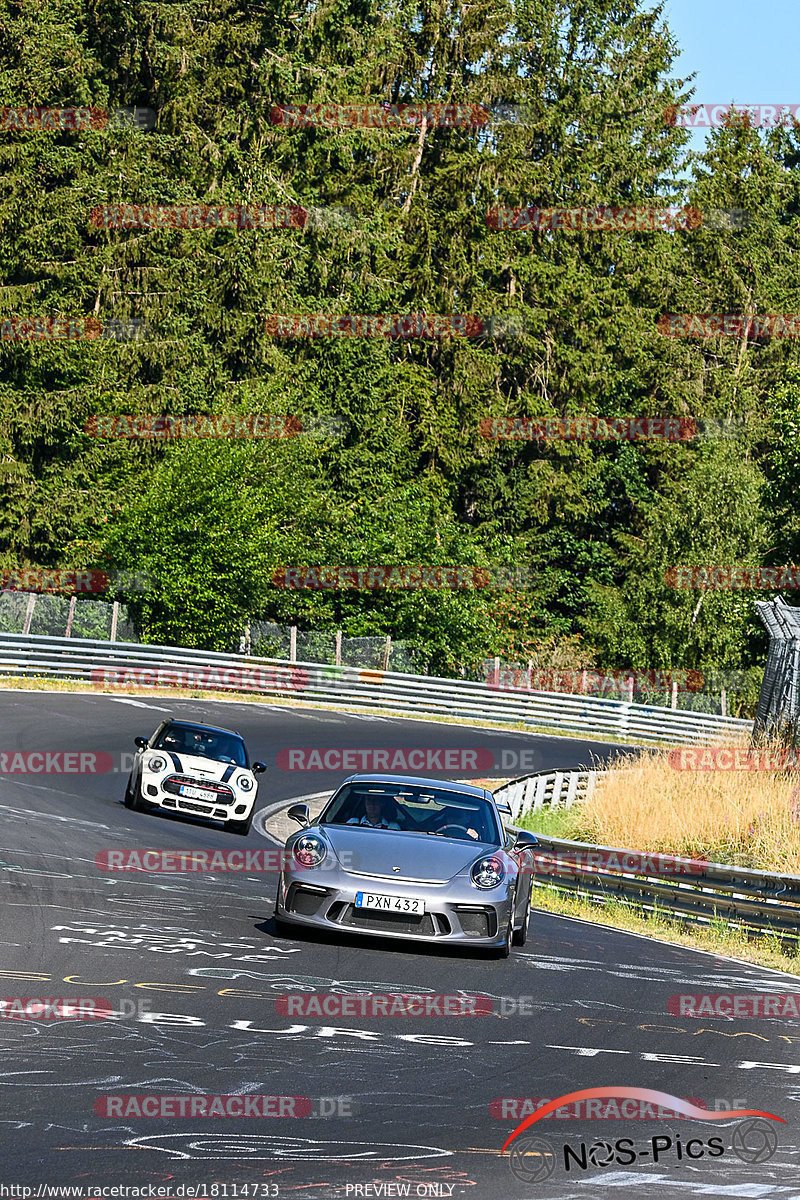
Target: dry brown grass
{"type": "Point", "coordinates": [744, 818]}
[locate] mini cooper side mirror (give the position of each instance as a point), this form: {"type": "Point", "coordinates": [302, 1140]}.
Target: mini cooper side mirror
{"type": "Point", "coordinates": [258, 767]}
{"type": "Point", "coordinates": [140, 742]}
{"type": "Point", "coordinates": [299, 813]}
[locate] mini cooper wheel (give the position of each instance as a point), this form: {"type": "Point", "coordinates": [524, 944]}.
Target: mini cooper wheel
{"type": "Point", "coordinates": [240, 827]}
{"type": "Point", "coordinates": [133, 796]}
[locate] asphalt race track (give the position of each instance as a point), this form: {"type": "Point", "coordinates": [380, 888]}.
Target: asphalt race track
{"type": "Point", "coordinates": [192, 967]}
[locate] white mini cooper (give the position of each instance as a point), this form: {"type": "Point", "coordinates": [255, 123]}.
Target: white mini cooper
{"type": "Point", "coordinates": [196, 770]}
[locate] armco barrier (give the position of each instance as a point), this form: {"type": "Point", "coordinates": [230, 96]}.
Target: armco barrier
{"type": "Point", "coordinates": [313, 683]}
{"type": "Point", "coordinates": [761, 902]}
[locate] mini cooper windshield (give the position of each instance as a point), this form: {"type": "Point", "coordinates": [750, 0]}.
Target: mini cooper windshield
{"type": "Point", "coordinates": [414, 809]}
{"type": "Point", "coordinates": [202, 743]}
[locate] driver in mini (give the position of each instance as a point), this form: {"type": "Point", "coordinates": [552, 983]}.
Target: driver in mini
{"type": "Point", "coordinates": [376, 813]}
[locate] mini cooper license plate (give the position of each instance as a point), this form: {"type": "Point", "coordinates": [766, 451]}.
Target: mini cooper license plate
{"type": "Point", "coordinates": [197, 793]}
{"type": "Point", "coordinates": [398, 904]}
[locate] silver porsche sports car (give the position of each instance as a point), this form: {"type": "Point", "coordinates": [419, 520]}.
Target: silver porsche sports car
{"type": "Point", "coordinates": [404, 857]}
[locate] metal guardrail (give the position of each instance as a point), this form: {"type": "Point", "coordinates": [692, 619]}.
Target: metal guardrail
{"type": "Point", "coordinates": [130, 666]}
{"type": "Point", "coordinates": [760, 902]}
{"type": "Point", "coordinates": [545, 789]}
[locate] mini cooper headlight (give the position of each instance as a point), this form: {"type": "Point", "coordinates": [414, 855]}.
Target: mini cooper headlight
{"type": "Point", "coordinates": [245, 783]}
{"type": "Point", "coordinates": [309, 850]}
{"type": "Point", "coordinates": [156, 763]}
{"type": "Point", "coordinates": [488, 872]}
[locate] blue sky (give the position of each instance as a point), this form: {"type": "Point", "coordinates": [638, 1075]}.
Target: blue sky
{"type": "Point", "coordinates": [745, 52]}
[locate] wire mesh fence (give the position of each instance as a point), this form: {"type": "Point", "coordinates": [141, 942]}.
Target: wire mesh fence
{"type": "Point", "coordinates": [64, 616]}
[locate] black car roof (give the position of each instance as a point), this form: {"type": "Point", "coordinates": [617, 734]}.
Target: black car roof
{"type": "Point", "coordinates": [207, 728]}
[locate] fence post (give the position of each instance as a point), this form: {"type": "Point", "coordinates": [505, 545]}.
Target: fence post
{"type": "Point", "coordinates": [387, 652]}
{"type": "Point", "coordinates": [114, 619]}
{"type": "Point", "coordinates": [73, 600]}
{"type": "Point", "coordinates": [496, 672]}
{"type": "Point", "coordinates": [293, 643]}
{"type": "Point", "coordinates": [530, 673]}
{"type": "Point", "coordinates": [723, 703]}
{"type": "Point", "coordinates": [675, 694]}
{"type": "Point", "coordinates": [26, 628]}
{"type": "Point", "coordinates": [338, 647]}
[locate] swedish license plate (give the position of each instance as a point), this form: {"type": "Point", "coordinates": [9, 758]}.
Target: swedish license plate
{"type": "Point", "coordinates": [397, 904]}
{"type": "Point", "coordinates": [197, 793]}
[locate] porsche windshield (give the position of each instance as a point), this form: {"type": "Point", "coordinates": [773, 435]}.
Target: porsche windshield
{"type": "Point", "coordinates": [202, 743]}
{"type": "Point", "coordinates": [411, 808]}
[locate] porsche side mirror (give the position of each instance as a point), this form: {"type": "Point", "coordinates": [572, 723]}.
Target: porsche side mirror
{"type": "Point", "coordinates": [299, 813]}
{"type": "Point", "coordinates": [525, 840]}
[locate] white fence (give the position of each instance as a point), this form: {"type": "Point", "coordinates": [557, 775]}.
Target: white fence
{"type": "Point", "coordinates": [547, 789]}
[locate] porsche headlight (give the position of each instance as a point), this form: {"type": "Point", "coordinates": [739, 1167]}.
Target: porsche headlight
{"type": "Point", "coordinates": [245, 783]}
{"type": "Point", "coordinates": [156, 764]}
{"type": "Point", "coordinates": [309, 850]}
{"type": "Point", "coordinates": [488, 872]}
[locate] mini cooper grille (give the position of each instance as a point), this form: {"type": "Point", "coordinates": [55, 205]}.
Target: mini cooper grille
{"type": "Point", "coordinates": [174, 783]}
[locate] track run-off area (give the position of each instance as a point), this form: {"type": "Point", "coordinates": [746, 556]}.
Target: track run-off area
{"type": "Point", "coordinates": [392, 1105]}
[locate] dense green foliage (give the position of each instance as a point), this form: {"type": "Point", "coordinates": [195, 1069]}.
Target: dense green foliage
{"type": "Point", "coordinates": [412, 480]}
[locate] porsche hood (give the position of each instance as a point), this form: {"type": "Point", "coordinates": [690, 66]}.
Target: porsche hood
{"type": "Point", "coordinates": [426, 857]}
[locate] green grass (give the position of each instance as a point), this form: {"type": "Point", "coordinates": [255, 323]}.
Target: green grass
{"type": "Point", "coordinates": [553, 822]}
{"type": "Point", "coordinates": [716, 937]}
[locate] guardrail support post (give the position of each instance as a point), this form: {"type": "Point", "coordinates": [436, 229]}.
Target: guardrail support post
{"type": "Point", "coordinates": [293, 643]}
{"type": "Point", "coordinates": [26, 628]}
{"type": "Point", "coordinates": [73, 600]}
{"type": "Point", "coordinates": [114, 619]}
{"type": "Point", "coordinates": [387, 652]}
{"type": "Point", "coordinates": [338, 647]}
